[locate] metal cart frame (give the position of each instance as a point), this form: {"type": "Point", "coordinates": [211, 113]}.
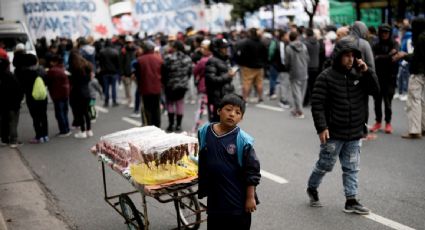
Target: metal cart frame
{"type": "Point", "coordinates": [178, 194]}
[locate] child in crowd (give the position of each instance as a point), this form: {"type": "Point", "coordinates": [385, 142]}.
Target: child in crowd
{"type": "Point", "coordinates": [94, 87]}
{"type": "Point", "coordinates": [229, 169]}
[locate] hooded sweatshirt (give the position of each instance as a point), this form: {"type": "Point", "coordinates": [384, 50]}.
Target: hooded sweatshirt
{"type": "Point", "coordinates": [313, 47]}
{"type": "Point", "coordinates": [339, 96]}
{"type": "Point", "coordinates": [359, 33]}
{"type": "Point", "coordinates": [296, 59]}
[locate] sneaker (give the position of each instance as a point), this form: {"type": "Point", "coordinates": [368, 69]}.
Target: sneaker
{"type": "Point", "coordinates": [36, 141]}
{"type": "Point", "coordinates": [375, 127]}
{"type": "Point", "coordinates": [135, 115]}
{"type": "Point", "coordinates": [313, 194]}
{"type": "Point", "coordinates": [403, 97]}
{"type": "Point", "coordinates": [45, 139]}
{"type": "Point", "coordinates": [15, 145]}
{"type": "Point", "coordinates": [273, 97]}
{"type": "Point", "coordinates": [284, 105]}
{"type": "Point", "coordinates": [65, 134]}
{"type": "Point", "coordinates": [80, 135]}
{"type": "Point", "coordinates": [388, 128]}
{"type": "Point", "coordinates": [131, 106]}
{"type": "Point", "coordinates": [299, 115]}
{"type": "Point", "coordinates": [115, 104]}
{"type": "Point", "coordinates": [396, 96]}
{"type": "Point", "coordinates": [353, 206]}
{"type": "Point", "coordinates": [89, 133]}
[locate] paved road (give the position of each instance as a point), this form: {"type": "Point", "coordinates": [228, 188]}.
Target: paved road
{"type": "Point", "coordinates": [392, 176]}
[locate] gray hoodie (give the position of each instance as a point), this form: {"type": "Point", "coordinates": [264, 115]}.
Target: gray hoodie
{"type": "Point", "coordinates": [296, 59]}
{"type": "Point", "coordinates": [359, 33]}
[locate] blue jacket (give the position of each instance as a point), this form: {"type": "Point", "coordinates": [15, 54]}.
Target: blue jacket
{"type": "Point", "coordinates": [246, 156]}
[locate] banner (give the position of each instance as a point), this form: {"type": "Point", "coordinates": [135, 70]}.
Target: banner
{"type": "Point", "coordinates": [68, 18]}
{"type": "Point", "coordinates": [168, 16]}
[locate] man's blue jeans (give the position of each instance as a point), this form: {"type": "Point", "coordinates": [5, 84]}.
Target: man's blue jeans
{"type": "Point", "coordinates": [61, 114]}
{"type": "Point", "coordinates": [110, 81]}
{"type": "Point", "coordinates": [349, 156]}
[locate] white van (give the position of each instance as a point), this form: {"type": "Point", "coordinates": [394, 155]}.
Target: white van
{"type": "Point", "coordinates": [13, 33]}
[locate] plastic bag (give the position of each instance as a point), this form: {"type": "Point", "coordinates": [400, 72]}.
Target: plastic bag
{"type": "Point", "coordinates": [143, 174]}
{"type": "Point", "coordinates": [39, 91]}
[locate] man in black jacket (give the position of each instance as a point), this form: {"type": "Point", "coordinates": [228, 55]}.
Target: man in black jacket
{"type": "Point", "coordinates": [339, 110]}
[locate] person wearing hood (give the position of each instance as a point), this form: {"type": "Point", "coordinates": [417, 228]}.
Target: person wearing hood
{"type": "Point", "coordinates": [11, 95]}
{"type": "Point", "coordinates": [88, 52]}
{"type": "Point", "coordinates": [296, 59]}
{"type": "Point", "coordinates": [339, 115]}
{"type": "Point", "coordinates": [218, 77]}
{"type": "Point", "coordinates": [416, 89]}
{"type": "Point", "coordinates": [386, 69]}
{"type": "Point", "coordinates": [359, 33]}
{"type": "Point", "coordinates": [148, 71]}
{"type": "Point", "coordinates": [313, 47]}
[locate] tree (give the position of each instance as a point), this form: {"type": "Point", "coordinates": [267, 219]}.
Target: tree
{"type": "Point", "coordinates": [312, 12]}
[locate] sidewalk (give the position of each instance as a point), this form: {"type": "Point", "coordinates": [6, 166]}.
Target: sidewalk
{"type": "Point", "coordinates": [23, 205]}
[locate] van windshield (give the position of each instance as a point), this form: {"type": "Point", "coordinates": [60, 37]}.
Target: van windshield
{"type": "Point", "coordinates": [11, 40]}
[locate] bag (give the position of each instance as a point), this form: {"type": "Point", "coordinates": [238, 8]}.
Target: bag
{"type": "Point", "coordinates": [39, 91]}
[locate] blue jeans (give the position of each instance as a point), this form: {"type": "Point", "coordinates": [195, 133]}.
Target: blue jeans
{"type": "Point", "coordinates": [403, 78]}
{"type": "Point", "coordinates": [61, 114]}
{"type": "Point", "coordinates": [273, 79]}
{"type": "Point", "coordinates": [110, 80]}
{"type": "Point", "coordinates": [349, 156]}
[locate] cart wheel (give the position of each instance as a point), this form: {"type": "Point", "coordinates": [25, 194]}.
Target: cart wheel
{"type": "Point", "coordinates": [129, 211]}
{"type": "Point", "coordinates": [187, 207]}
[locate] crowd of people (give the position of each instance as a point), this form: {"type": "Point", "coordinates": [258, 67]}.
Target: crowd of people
{"type": "Point", "coordinates": [167, 69]}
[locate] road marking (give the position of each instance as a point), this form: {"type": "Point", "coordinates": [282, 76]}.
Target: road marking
{"type": "Point", "coordinates": [132, 121]}
{"type": "Point", "coordinates": [269, 107]}
{"type": "Point", "coordinates": [273, 177]}
{"type": "Point", "coordinates": [387, 222]}
{"type": "Point", "coordinates": [101, 109]}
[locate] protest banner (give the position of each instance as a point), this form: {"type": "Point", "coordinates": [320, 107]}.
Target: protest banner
{"type": "Point", "coordinates": [68, 18]}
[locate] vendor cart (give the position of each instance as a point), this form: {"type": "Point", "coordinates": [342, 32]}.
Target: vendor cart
{"type": "Point", "coordinates": [182, 193]}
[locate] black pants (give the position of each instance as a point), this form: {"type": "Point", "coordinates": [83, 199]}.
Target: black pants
{"type": "Point", "coordinates": [229, 222]}
{"type": "Point", "coordinates": [82, 115]}
{"type": "Point", "coordinates": [38, 112]}
{"type": "Point", "coordinates": [9, 126]}
{"type": "Point", "coordinates": [386, 95]}
{"type": "Point", "coordinates": [212, 113]}
{"type": "Point", "coordinates": [152, 110]}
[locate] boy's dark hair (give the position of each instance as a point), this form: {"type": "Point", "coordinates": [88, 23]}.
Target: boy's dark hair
{"type": "Point", "coordinates": [233, 99]}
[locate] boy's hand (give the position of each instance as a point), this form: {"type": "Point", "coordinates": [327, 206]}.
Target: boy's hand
{"type": "Point", "coordinates": [250, 205]}
{"type": "Point", "coordinates": [324, 136]}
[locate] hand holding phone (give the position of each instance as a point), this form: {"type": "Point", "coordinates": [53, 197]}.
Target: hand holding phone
{"type": "Point", "coordinates": [361, 65]}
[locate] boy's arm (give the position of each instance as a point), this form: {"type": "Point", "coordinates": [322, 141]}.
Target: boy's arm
{"type": "Point", "coordinates": [318, 103]}
{"type": "Point", "coordinates": [252, 178]}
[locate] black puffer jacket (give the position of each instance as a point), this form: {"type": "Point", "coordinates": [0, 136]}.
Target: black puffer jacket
{"type": "Point", "coordinates": [217, 80]}
{"type": "Point", "coordinates": [339, 100]}
{"type": "Point", "coordinates": [11, 93]}
{"type": "Point", "coordinates": [176, 72]}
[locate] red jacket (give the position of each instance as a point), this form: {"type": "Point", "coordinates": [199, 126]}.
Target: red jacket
{"type": "Point", "coordinates": [149, 72]}
{"type": "Point", "coordinates": [57, 83]}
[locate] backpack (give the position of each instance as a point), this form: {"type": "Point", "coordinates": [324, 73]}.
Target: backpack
{"type": "Point", "coordinates": [242, 140]}
{"type": "Point", "coordinates": [39, 91]}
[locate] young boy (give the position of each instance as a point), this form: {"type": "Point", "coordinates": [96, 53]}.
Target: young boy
{"type": "Point", "coordinates": [229, 169]}
{"type": "Point", "coordinates": [339, 107]}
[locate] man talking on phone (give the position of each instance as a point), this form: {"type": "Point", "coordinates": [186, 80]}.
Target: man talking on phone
{"type": "Point", "coordinates": [338, 110]}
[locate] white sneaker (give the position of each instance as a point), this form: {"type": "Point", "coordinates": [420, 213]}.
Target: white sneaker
{"type": "Point", "coordinates": [80, 135]}
{"type": "Point", "coordinates": [135, 115]}
{"type": "Point", "coordinates": [403, 97]}
{"type": "Point", "coordinates": [396, 96]}
{"type": "Point", "coordinates": [65, 134]}
{"type": "Point", "coordinates": [89, 133]}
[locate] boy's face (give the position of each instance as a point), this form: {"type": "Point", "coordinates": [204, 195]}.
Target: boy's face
{"type": "Point", "coordinates": [347, 60]}
{"type": "Point", "coordinates": [230, 115]}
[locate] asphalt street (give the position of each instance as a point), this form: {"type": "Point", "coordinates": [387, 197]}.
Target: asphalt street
{"type": "Point", "coordinates": [392, 176]}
